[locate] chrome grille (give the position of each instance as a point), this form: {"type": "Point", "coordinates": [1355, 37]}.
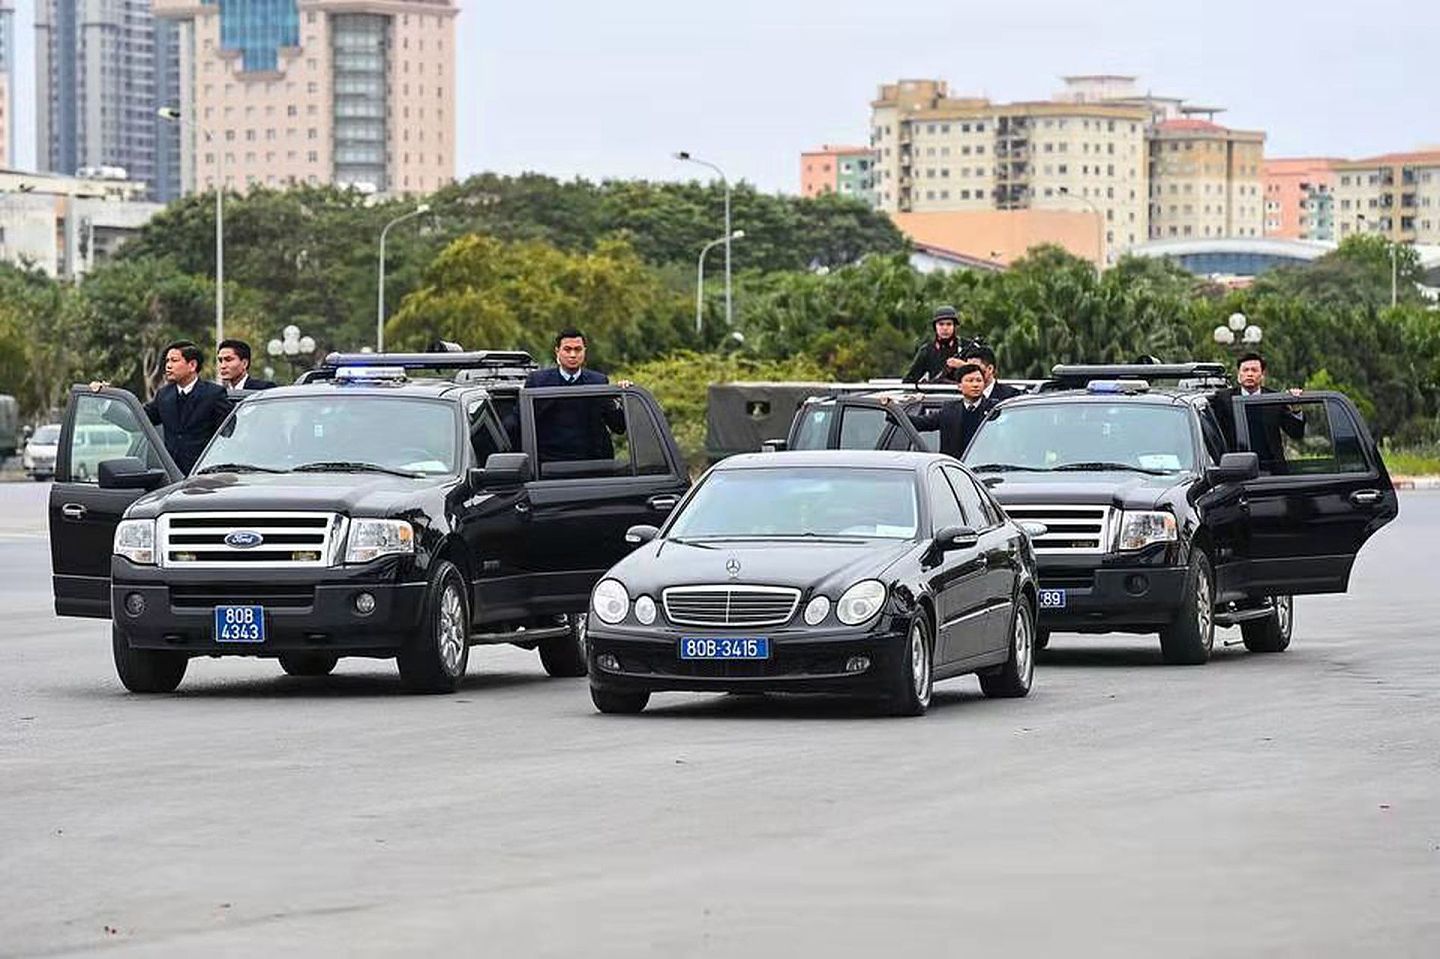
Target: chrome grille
{"type": "Point", "coordinates": [1070, 530]}
{"type": "Point", "coordinates": [730, 605]}
{"type": "Point", "coordinates": [288, 540]}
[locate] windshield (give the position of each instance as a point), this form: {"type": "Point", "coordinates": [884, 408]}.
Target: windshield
{"type": "Point", "coordinates": [801, 501]}
{"type": "Point", "coordinates": [46, 436]}
{"type": "Point", "coordinates": [340, 432]}
{"type": "Point", "coordinates": [1085, 436]}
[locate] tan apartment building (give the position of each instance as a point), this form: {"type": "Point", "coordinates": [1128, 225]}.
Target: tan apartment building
{"type": "Point", "coordinates": [938, 153]}
{"type": "Point", "coordinates": [1396, 196]}
{"type": "Point", "coordinates": [1206, 180]}
{"type": "Point", "coordinates": [350, 92]}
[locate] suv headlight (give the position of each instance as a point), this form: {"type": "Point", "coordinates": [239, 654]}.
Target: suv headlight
{"type": "Point", "coordinates": [135, 540]}
{"type": "Point", "coordinates": [610, 601]}
{"type": "Point", "coordinates": [372, 538]}
{"type": "Point", "coordinates": [860, 602]}
{"type": "Point", "coordinates": [1141, 528]}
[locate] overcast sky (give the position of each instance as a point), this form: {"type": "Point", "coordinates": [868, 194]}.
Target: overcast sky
{"type": "Point", "coordinates": [610, 90]}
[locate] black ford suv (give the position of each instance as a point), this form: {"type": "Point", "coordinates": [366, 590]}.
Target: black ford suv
{"type": "Point", "coordinates": [365, 512]}
{"type": "Point", "coordinates": [1171, 509]}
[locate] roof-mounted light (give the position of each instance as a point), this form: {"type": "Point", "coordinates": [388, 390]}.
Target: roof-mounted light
{"type": "Point", "coordinates": [1124, 387]}
{"type": "Point", "coordinates": [370, 374]}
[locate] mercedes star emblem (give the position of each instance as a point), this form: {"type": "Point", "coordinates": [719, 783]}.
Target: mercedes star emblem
{"type": "Point", "coordinates": [732, 566]}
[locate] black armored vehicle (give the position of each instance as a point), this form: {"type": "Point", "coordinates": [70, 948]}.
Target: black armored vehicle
{"type": "Point", "coordinates": [1169, 509]}
{"type": "Point", "coordinates": [369, 511]}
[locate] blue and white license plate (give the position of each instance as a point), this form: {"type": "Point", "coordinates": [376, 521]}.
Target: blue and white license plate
{"type": "Point", "coordinates": [240, 624]}
{"type": "Point", "coordinates": [724, 647]}
{"type": "Point", "coordinates": [1052, 599]}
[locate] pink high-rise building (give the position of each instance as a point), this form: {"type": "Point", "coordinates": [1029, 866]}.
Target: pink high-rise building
{"type": "Point", "coordinates": [1299, 198]}
{"type": "Point", "coordinates": [350, 92]}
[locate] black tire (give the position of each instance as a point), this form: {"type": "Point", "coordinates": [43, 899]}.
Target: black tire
{"type": "Point", "coordinates": [1190, 637]}
{"type": "Point", "coordinates": [566, 656]}
{"type": "Point", "coordinates": [1271, 634]}
{"type": "Point", "coordinates": [1013, 680]}
{"type": "Point", "coordinates": [146, 670]}
{"type": "Point", "coordinates": [308, 664]}
{"type": "Point", "coordinates": [912, 675]}
{"type": "Point", "coordinates": [618, 701]}
{"type": "Point", "coordinates": [1042, 638]}
{"type": "Point", "coordinates": [434, 659]}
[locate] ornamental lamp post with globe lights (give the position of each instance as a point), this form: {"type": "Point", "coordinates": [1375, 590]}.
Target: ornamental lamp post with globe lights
{"type": "Point", "coordinates": [298, 349]}
{"type": "Point", "coordinates": [1238, 333]}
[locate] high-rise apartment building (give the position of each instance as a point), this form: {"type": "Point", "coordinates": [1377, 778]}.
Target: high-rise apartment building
{"type": "Point", "coordinates": [1300, 198]}
{"type": "Point", "coordinates": [1099, 145]}
{"type": "Point", "coordinates": [1206, 180]}
{"type": "Point", "coordinates": [1396, 196]}
{"type": "Point", "coordinates": [350, 92]}
{"type": "Point", "coordinates": [101, 72]}
{"type": "Point", "coordinates": [846, 170]}
{"type": "Point", "coordinates": [7, 83]}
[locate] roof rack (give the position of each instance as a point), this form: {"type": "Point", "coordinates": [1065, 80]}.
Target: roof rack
{"type": "Point", "coordinates": [1064, 376]}
{"type": "Point", "coordinates": [473, 360]}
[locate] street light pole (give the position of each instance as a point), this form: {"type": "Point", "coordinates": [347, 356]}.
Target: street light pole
{"type": "Point", "coordinates": [173, 115]}
{"type": "Point", "coordinates": [380, 287]}
{"type": "Point", "coordinates": [725, 182]}
{"type": "Point", "coordinates": [700, 273]}
{"type": "Point", "coordinates": [1099, 225]}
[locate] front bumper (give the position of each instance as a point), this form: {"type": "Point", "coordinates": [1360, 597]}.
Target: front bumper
{"type": "Point", "coordinates": [309, 612]}
{"type": "Point", "coordinates": [1111, 593]}
{"type": "Point", "coordinates": [801, 660]}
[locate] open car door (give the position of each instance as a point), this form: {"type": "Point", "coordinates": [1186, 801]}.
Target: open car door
{"type": "Point", "coordinates": [98, 427]}
{"type": "Point", "coordinates": [854, 423]}
{"type": "Point", "coordinates": [1322, 491]}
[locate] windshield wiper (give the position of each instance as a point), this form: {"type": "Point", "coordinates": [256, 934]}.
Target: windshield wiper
{"type": "Point", "coordinates": [1098, 467]}
{"type": "Point", "coordinates": [348, 466]}
{"type": "Point", "coordinates": [238, 468]}
{"type": "Point", "coordinates": [1007, 468]}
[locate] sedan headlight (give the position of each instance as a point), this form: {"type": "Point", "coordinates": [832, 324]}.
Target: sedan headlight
{"type": "Point", "coordinates": [861, 602]}
{"type": "Point", "coordinates": [135, 540]}
{"type": "Point", "coordinates": [610, 601]}
{"type": "Point", "coordinates": [1141, 528]}
{"type": "Point", "coordinates": [372, 538]}
{"type": "Point", "coordinates": [645, 610]}
{"type": "Point", "coordinates": [816, 610]}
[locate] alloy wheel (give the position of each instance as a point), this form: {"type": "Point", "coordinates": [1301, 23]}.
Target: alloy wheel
{"type": "Point", "coordinates": [920, 672]}
{"type": "Point", "coordinates": [450, 629]}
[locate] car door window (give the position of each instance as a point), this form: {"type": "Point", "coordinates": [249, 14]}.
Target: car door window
{"type": "Point", "coordinates": [812, 429]}
{"type": "Point", "coordinates": [485, 431]}
{"type": "Point", "coordinates": [944, 507]}
{"type": "Point", "coordinates": [861, 427]}
{"type": "Point", "coordinates": [647, 449]}
{"type": "Point", "coordinates": [978, 515]}
{"type": "Point", "coordinates": [1304, 437]}
{"type": "Point", "coordinates": [105, 430]}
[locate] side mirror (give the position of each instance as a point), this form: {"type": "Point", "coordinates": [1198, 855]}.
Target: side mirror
{"type": "Point", "coordinates": [128, 472]}
{"type": "Point", "coordinates": [955, 537]}
{"type": "Point", "coordinates": [502, 470]}
{"type": "Point", "coordinates": [641, 534]}
{"type": "Point", "coordinates": [1033, 529]}
{"type": "Point", "coordinates": [1234, 468]}
{"type": "Point", "coordinates": [774, 446]}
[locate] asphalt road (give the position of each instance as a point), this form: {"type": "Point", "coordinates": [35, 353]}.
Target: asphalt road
{"type": "Point", "coordinates": [1284, 805]}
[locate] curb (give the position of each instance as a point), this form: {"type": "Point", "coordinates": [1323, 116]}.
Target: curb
{"type": "Point", "coordinates": [1415, 482]}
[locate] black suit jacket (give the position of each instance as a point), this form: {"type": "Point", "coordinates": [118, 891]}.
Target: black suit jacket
{"type": "Point", "coordinates": [251, 383]}
{"type": "Point", "coordinates": [189, 422]}
{"type": "Point", "coordinates": [570, 430]}
{"type": "Point", "coordinates": [956, 424]}
{"type": "Point", "coordinates": [1268, 444]}
{"type": "Point", "coordinates": [1004, 391]}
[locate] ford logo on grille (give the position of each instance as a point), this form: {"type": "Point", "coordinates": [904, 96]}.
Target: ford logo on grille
{"type": "Point", "coordinates": [243, 539]}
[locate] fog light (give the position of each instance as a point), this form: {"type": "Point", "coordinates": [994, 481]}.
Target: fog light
{"type": "Point", "coordinates": [857, 664]}
{"type": "Point", "coordinates": [364, 604]}
{"type": "Point", "coordinates": [608, 662]}
{"type": "Point", "coordinates": [134, 604]}
{"type": "Point", "coordinates": [1137, 584]}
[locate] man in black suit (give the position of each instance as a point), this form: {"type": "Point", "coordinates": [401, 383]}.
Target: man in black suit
{"type": "Point", "coordinates": [232, 358]}
{"type": "Point", "coordinates": [957, 421]}
{"type": "Point", "coordinates": [982, 356]}
{"type": "Point", "coordinates": [577, 429]}
{"type": "Point", "coordinates": [189, 409]}
{"type": "Point", "coordinates": [939, 357]}
{"type": "Point", "coordinates": [1274, 420]}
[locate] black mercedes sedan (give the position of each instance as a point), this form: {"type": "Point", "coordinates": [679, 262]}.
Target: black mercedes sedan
{"type": "Point", "coordinates": [838, 571]}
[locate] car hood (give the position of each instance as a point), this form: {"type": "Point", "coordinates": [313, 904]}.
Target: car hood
{"type": "Point", "coordinates": [1110, 488]}
{"type": "Point", "coordinates": [829, 568]}
{"type": "Point", "coordinates": [355, 494]}
{"type": "Point", "coordinates": [42, 449]}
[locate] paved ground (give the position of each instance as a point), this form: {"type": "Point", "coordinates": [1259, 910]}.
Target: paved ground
{"type": "Point", "coordinates": [1285, 805]}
